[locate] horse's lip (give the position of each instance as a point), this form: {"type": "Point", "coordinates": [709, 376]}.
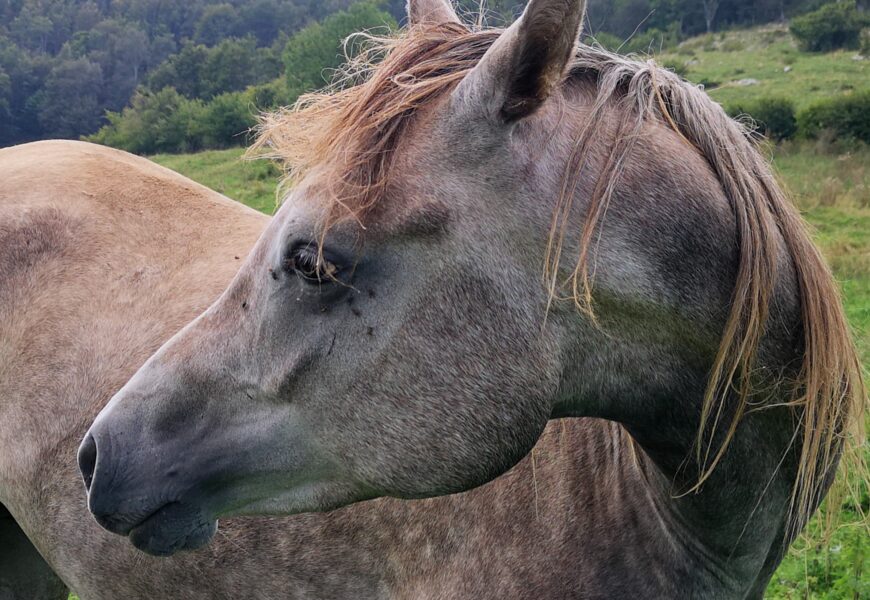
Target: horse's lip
{"type": "Point", "coordinates": [173, 527]}
{"type": "Point", "coordinates": [123, 524]}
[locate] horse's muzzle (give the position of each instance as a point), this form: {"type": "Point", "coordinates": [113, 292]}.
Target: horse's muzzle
{"type": "Point", "coordinates": [157, 527]}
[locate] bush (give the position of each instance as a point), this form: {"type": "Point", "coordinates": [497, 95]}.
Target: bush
{"type": "Point", "coordinates": [606, 40]}
{"type": "Point", "coordinates": [832, 26]}
{"type": "Point", "coordinates": [677, 66]}
{"type": "Point", "coordinates": [163, 121]}
{"type": "Point", "coordinates": [847, 117]}
{"type": "Point", "coordinates": [267, 95]}
{"type": "Point", "coordinates": [653, 40]}
{"type": "Point", "coordinates": [227, 119]}
{"type": "Point", "coordinates": [774, 117]}
{"type": "Point", "coordinates": [166, 121]}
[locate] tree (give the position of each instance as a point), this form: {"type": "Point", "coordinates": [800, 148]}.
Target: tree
{"type": "Point", "coordinates": [182, 71]}
{"type": "Point", "coordinates": [265, 19]}
{"type": "Point", "coordinates": [710, 8]}
{"type": "Point", "coordinates": [27, 74]}
{"type": "Point", "coordinates": [218, 21]}
{"type": "Point", "coordinates": [31, 29]}
{"type": "Point", "coordinates": [121, 50]}
{"type": "Point", "coordinates": [87, 16]}
{"type": "Point", "coordinates": [69, 105]}
{"type": "Point", "coordinates": [5, 98]}
{"type": "Point", "coordinates": [318, 47]}
{"type": "Point", "coordinates": [163, 121]}
{"type": "Point", "coordinates": [233, 65]}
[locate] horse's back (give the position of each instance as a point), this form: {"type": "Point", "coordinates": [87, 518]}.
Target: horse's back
{"type": "Point", "coordinates": [105, 175]}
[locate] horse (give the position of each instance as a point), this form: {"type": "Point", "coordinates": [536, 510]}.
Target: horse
{"type": "Point", "coordinates": [402, 362]}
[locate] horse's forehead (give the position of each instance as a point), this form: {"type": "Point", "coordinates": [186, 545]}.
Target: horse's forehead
{"type": "Point", "coordinates": [408, 207]}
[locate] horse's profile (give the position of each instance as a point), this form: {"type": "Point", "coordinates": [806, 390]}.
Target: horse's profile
{"type": "Point", "coordinates": [486, 231]}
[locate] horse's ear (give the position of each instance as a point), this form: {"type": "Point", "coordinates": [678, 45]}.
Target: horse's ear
{"type": "Point", "coordinates": [524, 65]}
{"type": "Point", "coordinates": [431, 12]}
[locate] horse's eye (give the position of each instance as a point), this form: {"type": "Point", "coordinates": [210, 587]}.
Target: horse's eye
{"type": "Point", "coordinates": [310, 264]}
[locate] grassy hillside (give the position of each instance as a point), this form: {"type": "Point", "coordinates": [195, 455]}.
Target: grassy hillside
{"type": "Point", "coordinates": [226, 171]}
{"type": "Point", "coordinates": [725, 62]}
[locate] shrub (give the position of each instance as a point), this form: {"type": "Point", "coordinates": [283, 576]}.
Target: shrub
{"type": "Point", "coordinates": [677, 66]}
{"type": "Point", "coordinates": [163, 121]}
{"type": "Point", "coordinates": [226, 120]}
{"type": "Point", "coordinates": [847, 117]}
{"type": "Point", "coordinates": [833, 26]}
{"type": "Point", "coordinates": [774, 117]}
{"type": "Point", "coordinates": [732, 45]}
{"type": "Point", "coordinates": [267, 95]}
{"type": "Point", "coordinates": [653, 40]}
{"type": "Point", "coordinates": [605, 40]}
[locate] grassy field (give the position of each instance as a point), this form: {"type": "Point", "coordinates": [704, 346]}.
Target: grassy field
{"type": "Point", "coordinates": [726, 62]}
{"type": "Point", "coordinates": [226, 171]}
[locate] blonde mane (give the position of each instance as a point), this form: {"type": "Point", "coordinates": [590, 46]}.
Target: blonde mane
{"type": "Point", "coordinates": [353, 128]}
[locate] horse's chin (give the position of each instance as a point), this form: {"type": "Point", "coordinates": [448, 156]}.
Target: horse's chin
{"type": "Point", "coordinates": [173, 528]}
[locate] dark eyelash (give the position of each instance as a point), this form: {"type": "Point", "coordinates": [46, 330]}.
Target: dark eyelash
{"type": "Point", "coordinates": [305, 262]}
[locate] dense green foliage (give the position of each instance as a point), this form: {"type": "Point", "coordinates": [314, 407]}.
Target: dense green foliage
{"type": "Point", "coordinates": [846, 117]}
{"type": "Point", "coordinates": [187, 114]}
{"type": "Point", "coordinates": [66, 64]}
{"type": "Point", "coordinates": [833, 26]}
{"type": "Point", "coordinates": [231, 65]}
{"type": "Point", "coordinates": [155, 122]}
{"type": "Point", "coordinates": [311, 53]}
{"type": "Point", "coordinates": [166, 121]}
{"type": "Point", "coordinates": [773, 117]}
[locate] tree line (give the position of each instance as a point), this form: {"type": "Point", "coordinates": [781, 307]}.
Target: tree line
{"type": "Point", "coordinates": [64, 63]}
{"type": "Point", "coordinates": [71, 67]}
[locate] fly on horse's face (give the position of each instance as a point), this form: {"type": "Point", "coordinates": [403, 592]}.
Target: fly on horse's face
{"type": "Point", "coordinates": [404, 354]}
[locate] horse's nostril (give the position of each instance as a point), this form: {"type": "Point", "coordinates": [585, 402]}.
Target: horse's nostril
{"type": "Point", "coordinates": [88, 459]}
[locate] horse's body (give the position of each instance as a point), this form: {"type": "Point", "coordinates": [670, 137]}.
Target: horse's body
{"type": "Point", "coordinates": [388, 335]}
{"type": "Point", "coordinates": [99, 268]}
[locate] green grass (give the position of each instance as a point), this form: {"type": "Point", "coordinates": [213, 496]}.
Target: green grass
{"type": "Point", "coordinates": [228, 172]}
{"type": "Point", "coordinates": [720, 60]}
{"type": "Point", "coordinates": [833, 191]}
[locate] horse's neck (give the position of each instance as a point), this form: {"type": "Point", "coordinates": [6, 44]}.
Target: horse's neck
{"type": "Point", "coordinates": [663, 263]}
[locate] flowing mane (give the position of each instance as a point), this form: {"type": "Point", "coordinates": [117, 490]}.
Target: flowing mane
{"type": "Point", "coordinates": [353, 129]}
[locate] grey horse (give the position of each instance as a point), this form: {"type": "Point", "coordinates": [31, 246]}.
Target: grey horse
{"type": "Point", "coordinates": [491, 231]}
